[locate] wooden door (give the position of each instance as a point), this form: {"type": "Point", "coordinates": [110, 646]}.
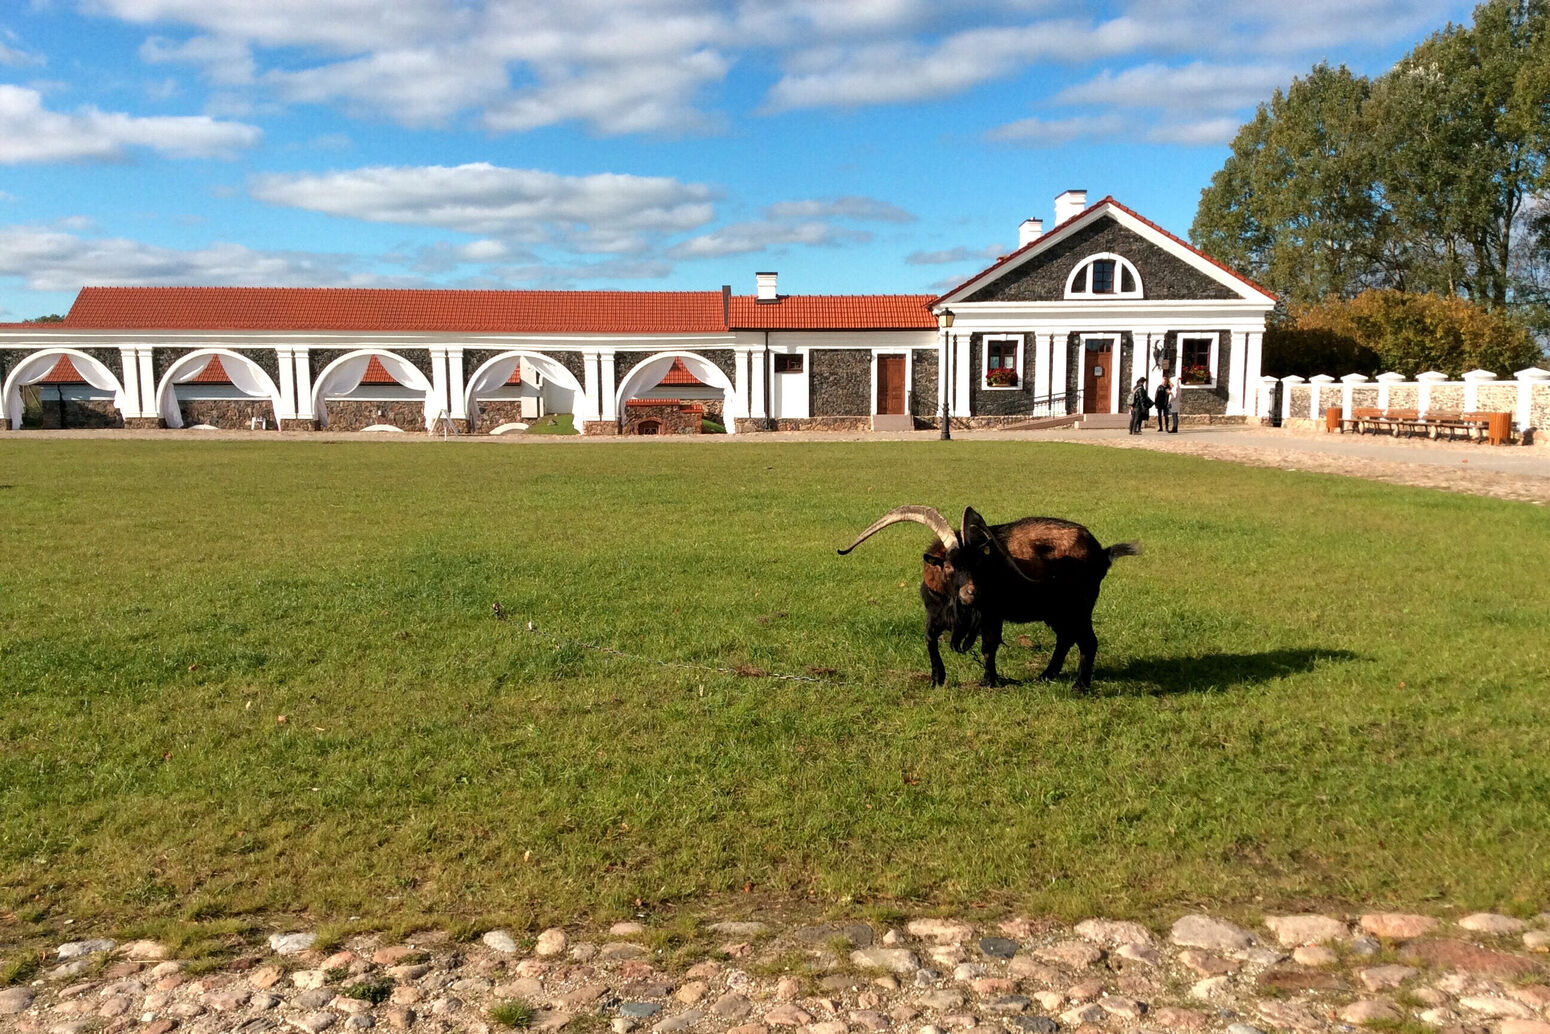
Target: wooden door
{"type": "Point", "coordinates": [890, 384]}
{"type": "Point", "coordinates": [1097, 374]}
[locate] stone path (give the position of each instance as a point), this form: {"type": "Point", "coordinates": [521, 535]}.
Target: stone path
{"type": "Point", "coordinates": [1300, 974]}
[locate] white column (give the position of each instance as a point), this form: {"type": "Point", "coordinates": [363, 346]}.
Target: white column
{"type": "Point", "coordinates": [1317, 397]}
{"type": "Point", "coordinates": [1057, 373]}
{"type": "Point", "coordinates": [131, 381]}
{"type": "Point", "coordinates": [1235, 369]}
{"type": "Point", "coordinates": [1386, 382]}
{"type": "Point", "coordinates": [759, 376]}
{"type": "Point", "coordinates": [610, 409]}
{"type": "Point", "coordinates": [285, 365]}
{"type": "Point", "coordinates": [1347, 384]}
{"type": "Point", "coordinates": [961, 372]}
{"type": "Point", "coordinates": [1472, 382]}
{"type": "Point", "coordinates": [742, 383]}
{"type": "Point", "coordinates": [1287, 383]}
{"type": "Point", "coordinates": [1427, 379]}
{"type": "Point", "coordinates": [1039, 365]}
{"type": "Point", "coordinates": [457, 384]}
{"type": "Point", "coordinates": [143, 354]}
{"type": "Point", "coordinates": [439, 381]}
{"type": "Point", "coordinates": [1114, 385]}
{"type": "Point", "coordinates": [592, 402]}
{"type": "Point", "coordinates": [1529, 381]}
{"type": "Point", "coordinates": [303, 367]}
{"type": "Point", "coordinates": [1254, 354]}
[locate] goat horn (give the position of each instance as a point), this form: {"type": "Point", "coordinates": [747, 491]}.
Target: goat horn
{"type": "Point", "coordinates": [920, 515]}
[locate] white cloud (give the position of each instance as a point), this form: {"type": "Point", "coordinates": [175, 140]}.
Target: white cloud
{"type": "Point", "coordinates": [1204, 133]}
{"type": "Point", "coordinates": [1191, 88]}
{"type": "Point", "coordinates": [417, 86]}
{"type": "Point", "coordinates": [952, 255]}
{"type": "Point", "coordinates": [19, 58]}
{"type": "Point", "coordinates": [31, 133]}
{"type": "Point", "coordinates": [745, 238]}
{"type": "Point", "coordinates": [341, 26]}
{"type": "Point", "coordinates": [225, 61]}
{"type": "Point", "coordinates": [1040, 132]}
{"type": "Point", "coordinates": [862, 209]}
{"type": "Point", "coordinates": [51, 260]}
{"type": "Point", "coordinates": [599, 213]}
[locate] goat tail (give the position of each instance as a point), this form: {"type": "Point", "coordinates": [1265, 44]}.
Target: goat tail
{"type": "Point", "coordinates": [1120, 549]}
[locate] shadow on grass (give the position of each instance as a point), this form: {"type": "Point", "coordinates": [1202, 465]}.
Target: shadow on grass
{"type": "Point", "coordinates": [1212, 672]}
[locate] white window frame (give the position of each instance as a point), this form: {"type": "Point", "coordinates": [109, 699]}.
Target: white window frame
{"type": "Point", "coordinates": [1120, 265]}
{"type": "Point", "coordinates": [1021, 367]}
{"type": "Point", "coordinates": [1215, 365]}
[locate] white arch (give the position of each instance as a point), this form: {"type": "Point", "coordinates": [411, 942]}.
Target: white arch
{"type": "Point", "coordinates": [351, 367]}
{"type": "Point", "coordinates": [36, 366]}
{"type": "Point", "coordinates": [253, 382]}
{"type": "Point", "coordinates": [650, 371]}
{"type": "Point", "coordinates": [494, 372]}
{"type": "Point", "coordinates": [1121, 263]}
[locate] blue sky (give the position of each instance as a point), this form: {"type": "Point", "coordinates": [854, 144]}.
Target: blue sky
{"type": "Point", "coordinates": [860, 146]}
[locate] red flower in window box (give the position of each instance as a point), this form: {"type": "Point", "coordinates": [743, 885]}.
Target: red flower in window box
{"type": "Point", "coordinates": [1195, 375]}
{"type": "Point", "coordinates": [1002, 377]}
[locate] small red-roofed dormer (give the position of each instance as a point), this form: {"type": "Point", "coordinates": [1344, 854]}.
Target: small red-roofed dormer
{"type": "Point", "coordinates": [64, 372]}
{"type": "Point", "coordinates": [376, 373]}
{"type": "Point", "coordinates": [213, 373]}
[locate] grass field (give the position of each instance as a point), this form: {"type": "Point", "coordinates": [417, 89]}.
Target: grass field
{"type": "Point", "coordinates": [245, 679]}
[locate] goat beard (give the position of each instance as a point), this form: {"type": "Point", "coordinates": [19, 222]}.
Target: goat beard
{"type": "Point", "coordinates": [966, 627]}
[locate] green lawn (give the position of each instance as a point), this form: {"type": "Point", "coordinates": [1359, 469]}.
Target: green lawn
{"type": "Point", "coordinates": [1310, 690]}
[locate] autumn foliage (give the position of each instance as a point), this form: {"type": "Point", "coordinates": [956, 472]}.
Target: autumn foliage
{"type": "Point", "coordinates": [1384, 331]}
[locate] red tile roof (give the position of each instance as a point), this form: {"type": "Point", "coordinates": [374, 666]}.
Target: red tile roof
{"type": "Point", "coordinates": [319, 308]}
{"type": "Point", "coordinates": [516, 374]}
{"type": "Point", "coordinates": [213, 373]}
{"type": "Point", "coordinates": [1108, 200]}
{"type": "Point", "coordinates": [834, 312]}
{"type": "Point", "coordinates": [376, 373]}
{"type": "Point", "coordinates": [678, 375]}
{"type": "Point", "coordinates": [64, 372]}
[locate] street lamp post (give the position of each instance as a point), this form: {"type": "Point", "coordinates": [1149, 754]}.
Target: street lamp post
{"type": "Point", "coordinates": [945, 320]}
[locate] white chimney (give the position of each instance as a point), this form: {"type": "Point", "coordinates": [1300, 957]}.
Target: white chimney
{"type": "Point", "coordinates": [766, 285]}
{"type": "Point", "coordinates": [1068, 204]}
{"type": "Point", "coordinates": [1030, 231]}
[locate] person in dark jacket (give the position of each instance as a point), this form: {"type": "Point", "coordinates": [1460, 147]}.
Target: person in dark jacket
{"type": "Point", "coordinates": [1139, 404]}
{"type": "Point", "coordinates": [1162, 400]}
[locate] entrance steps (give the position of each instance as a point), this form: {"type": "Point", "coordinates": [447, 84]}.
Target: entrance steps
{"type": "Point", "coordinates": [1103, 421]}
{"type": "Point", "coordinates": [1046, 423]}
{"type": "Point", "coordinates": [893, 422]}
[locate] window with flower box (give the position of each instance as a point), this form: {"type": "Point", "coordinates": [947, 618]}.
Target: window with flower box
{"type": "Point", "coordinates": [1195, 360]}
{"type": "Point", "coordinates": [1003, 362]}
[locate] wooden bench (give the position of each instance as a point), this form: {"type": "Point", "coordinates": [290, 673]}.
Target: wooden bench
{"type": "Point", "coordinates": [1493, 428]}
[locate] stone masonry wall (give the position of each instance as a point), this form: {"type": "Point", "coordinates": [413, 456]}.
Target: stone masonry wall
{"type": "Point", "coordinates": [77, 413]}
{"type": "Point", "coordinates": [923, 400]}
{"type": "Point", "coordinates": [1043, 279]}
{"type": "Point", "coordinates": [840, 382]}
{"type": "Point", "coordinates": [356, 414]}
{"type": "Point", "coordinates": [671, 418]}
{"type": "Point", "coordinates": [228, 414]}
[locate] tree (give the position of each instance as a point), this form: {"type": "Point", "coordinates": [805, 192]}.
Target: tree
{"type": "Point", "coordinates": [1415, 181]}
{"type": "Point", "coordinates": [1293, 205]}
{"type": "Point", "coordinates": [52, 317]}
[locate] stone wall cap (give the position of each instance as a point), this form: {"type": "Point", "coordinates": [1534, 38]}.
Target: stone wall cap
{"type": "Point", "coordinates": [1354, 378]}
{"type": "Point", "coordinates": [1322, 378]}
{"type": "Point", "coordinates": [1432, 376]}
{"type": "Point", "coordinates": [1480, 375]}
{"type": "Point", "coordinates": [1533, 373]}
{"type": "Point", "coordinates": [1391, 377]}
{"type": "Point", "coordinates": [1293, 379]}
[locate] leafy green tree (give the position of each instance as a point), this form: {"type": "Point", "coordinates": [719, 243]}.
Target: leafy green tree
{"type": "Point", "coordinates": [1416, 181]}
{"type": "Point", "coordinates": [1293, 204]}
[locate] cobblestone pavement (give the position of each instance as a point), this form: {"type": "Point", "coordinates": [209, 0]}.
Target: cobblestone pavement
{"type": "Point", "coordinates": [1502, 472]}
{"type": "Point", "coordinates": [1302, 974]}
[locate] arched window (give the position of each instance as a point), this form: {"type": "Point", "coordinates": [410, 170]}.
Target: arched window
{"type": "Point", "coordinates": [1104, 275]}
{"type": "Point", "coordinates": [649, 427]}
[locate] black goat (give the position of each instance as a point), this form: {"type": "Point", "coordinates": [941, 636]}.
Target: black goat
{"type": "Point", "coordinates": [979, 577]}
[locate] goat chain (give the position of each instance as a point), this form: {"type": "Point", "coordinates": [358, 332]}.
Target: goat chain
{"type": "Point", "coordinates": [747, 671]}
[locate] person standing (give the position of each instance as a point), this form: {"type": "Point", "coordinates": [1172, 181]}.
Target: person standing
{"type": "Point", "coordinates": [1138, 406]}
{"type": "Point", "coordinates": [1164, 395]}
{"type": "Point", "coordinates": [1175, 397]}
